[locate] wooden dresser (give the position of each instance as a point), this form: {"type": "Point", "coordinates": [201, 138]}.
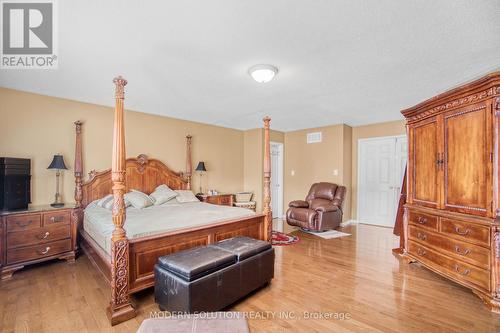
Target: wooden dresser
{"type": "Point", "coordinates": [452, 215]}
{"type": "Point", "coordinates": [36, 234]}
{"type": "Point", "coordinates": [218, 199]}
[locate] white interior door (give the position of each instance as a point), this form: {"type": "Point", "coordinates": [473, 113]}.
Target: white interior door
{"type": "Point", "coordinates": [277, 179]}
{"type": "Point", "coordinates": [381, 164]}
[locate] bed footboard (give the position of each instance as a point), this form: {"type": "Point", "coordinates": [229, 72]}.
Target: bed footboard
{"type": "Point", "coordinates": [145, 251]}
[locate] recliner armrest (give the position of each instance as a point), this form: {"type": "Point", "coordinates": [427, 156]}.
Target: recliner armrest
{"type": "Point", "coordinates": [326, 208]}
{"type": "Point", "coordinates": [299, 204]}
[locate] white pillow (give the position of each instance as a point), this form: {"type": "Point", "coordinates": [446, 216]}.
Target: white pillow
{"type": "Point", "coordinates": [102, 203]}
{"type": "Point", "coordinates": [138, 199]}
{"type": "Point", "coordinates": [107, 202]}
{"type": "Point", "coordinates": [186, 196]}
{"type": "Point", "coordinates": [162, 194]}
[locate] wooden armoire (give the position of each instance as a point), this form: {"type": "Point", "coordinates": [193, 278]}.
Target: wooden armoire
{"type": "Point", "coordinates": [452, 214]}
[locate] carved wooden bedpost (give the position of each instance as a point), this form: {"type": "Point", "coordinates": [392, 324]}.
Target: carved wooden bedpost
{"type": "Point", "coordinates": [77, 212]}
{"type": "Point", "coordinates": [189, 163]}
{"type": "Point", "coordinates": [78, 165]}
{"type": "Point", "coordinates": [268, 221]}
{"type": "Point", "coordinates": [119, 308]}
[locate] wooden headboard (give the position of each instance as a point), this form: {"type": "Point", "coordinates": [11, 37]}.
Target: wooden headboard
{"type": "Point", "coordinates": [143, 174]}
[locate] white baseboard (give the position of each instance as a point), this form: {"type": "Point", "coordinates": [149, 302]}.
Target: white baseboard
{"type": "Point", "coordinates": [348, 222]}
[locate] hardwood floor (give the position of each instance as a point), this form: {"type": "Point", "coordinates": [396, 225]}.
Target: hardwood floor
{"type": "Point", "coordinates": [357, 275]}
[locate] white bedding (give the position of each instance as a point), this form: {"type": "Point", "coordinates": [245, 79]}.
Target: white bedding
{"type": "Point", "coordinates": [153, 220]}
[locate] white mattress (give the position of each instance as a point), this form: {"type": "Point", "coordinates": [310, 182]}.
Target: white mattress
{"type": "Point", "coordinates": [153, 220]}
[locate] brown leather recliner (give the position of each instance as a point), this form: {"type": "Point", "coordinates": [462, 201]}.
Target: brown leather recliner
{"type": "Point", "coordinates": [322, 209]}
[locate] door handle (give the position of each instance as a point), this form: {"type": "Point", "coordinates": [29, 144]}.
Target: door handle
{"type": "Point", "coordinates": [462, 233]}
{"type": "Point", "coordinates": [44, 236]}
{"type": "Point", "coordinates": [47, 249]}
{"type": "Point", "coordinates": [463, 272]}
{"type": "Point", "coordinates": [461, 252]}
{"type": "Point", "coordinates": [422, 220]}
{"type": "Point", "coordinates": [24, 224]}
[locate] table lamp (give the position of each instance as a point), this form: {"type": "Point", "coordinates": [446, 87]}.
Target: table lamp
{"type": "Point", "coordinates": [201, 169]}
{"type": "Point", "coordinates": [58, 165]}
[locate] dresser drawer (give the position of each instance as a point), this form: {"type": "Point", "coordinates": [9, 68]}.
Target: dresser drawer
{"type": "Point", "coordinates": [56, 218]}
{"type": "Point", "coordinates": [468, 232]}
{"type": "Point", "coordinates": [212, 200]}
{"type": "Point", "coordinates": [470, 253]}
{"type": "Point", "coordinates": [38, 251]}
{"type": "Point", "coordinates": [37, 236]}
{"type": "Point", "coordinates": [23, 222]}
{"type": "Point", "coordinates": [456, 268]}
{"type": "Point", "coordinates": [225, 200]}
{"type": "Point", "coordinates": [423, 220]}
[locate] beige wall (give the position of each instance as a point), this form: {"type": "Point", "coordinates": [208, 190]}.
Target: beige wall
{"type": "Point", "coordinates": [338, 150]}
{"type": "Point", "coordinates": [37, 127]}
{"type": "Point", "coordinates": [253, 166]}
{"type": "Point", "coordinates": [254, 161]}
{"type": "Point", "coordinates": [317, 161]}
{"type": "Point", "coordinates": [347, 169]}
{"type": "Point", "coordinates": [369, 131]}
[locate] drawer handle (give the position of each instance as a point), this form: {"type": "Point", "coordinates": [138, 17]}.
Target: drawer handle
{"type": "Point", "coordinates": [422, 220]}
{"type": "Point", "coordinates": [421, 252]}
{"type": "Point", "coordinates": [25, 224]}
{"type": "Point", "coordinates": [421, 236]}
{"type": "Point", "coordinates": [464, 272]}
{"type": "Point", "coordinates": [47, 249]}
{"type": "Point", "coordinates": [44, 236]}
{"type": "Point", "coordinates": [462, 233]}
{"type": "Point", "coordinates": [459, 251]}
{"type": "Point", "coordinates": [55, 219]}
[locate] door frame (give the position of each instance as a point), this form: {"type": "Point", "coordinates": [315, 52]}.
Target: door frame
{"type": "Point", "coordinates": [358, 172]}
{"type": "Point", "coordinates": [279, 176]}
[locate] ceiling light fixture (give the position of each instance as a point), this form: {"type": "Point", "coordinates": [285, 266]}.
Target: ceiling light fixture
{"type": "Point", "coordinates": [263, 73]}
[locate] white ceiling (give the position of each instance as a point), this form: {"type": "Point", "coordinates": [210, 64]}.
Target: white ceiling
{"type": "Point", "coordinates": [353, 62]}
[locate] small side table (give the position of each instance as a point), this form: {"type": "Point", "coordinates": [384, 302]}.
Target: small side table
{"type": "Point", "coordinates": [218, 199]}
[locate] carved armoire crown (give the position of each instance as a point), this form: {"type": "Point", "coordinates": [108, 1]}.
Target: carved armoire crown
{"type": "Point", "coordinates": [452, 215]}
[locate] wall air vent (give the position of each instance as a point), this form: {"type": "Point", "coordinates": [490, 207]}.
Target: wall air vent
{"type": "Point", "coordinates": [314, 137]}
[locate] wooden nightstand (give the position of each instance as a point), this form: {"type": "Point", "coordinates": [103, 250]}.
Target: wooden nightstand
{"type": "Point", "coordinates": [219, 199]}
{"type": "Point", "coordinates": [36, 234]}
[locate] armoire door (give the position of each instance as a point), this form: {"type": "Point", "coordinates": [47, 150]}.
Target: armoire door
{"type": "Point", "coordinates": [468, 160]}
{"type": "Point", "coordinates": [425, 142]}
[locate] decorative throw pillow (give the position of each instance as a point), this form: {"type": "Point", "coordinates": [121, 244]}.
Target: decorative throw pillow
{"type": "Point", "coordinates": [162, 194]}
{"type": "Point", "coordinates": [102, 203]}
{"type": "Point", "coordinates": [186, 196]}
{"type": "Point", "coordinates": [138, 199]}
{"type": "Point", "coordinates": [107, 202]}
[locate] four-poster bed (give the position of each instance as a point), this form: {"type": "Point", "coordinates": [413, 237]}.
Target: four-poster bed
{"type": "Point", "coordinates": [129, 265]}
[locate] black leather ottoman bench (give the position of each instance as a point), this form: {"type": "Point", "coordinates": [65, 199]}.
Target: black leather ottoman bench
{"type": "Point", "coordinates": [210, 278]}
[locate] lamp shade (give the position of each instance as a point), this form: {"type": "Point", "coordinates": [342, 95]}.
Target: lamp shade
{"type": "Point", "coordinates": [57, 163]}
{"type": "Point", "coordinates": [201, 166]}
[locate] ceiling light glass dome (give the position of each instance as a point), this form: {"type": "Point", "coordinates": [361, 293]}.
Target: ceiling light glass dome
{"type": "Point", "coordinates": [263, 73]}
